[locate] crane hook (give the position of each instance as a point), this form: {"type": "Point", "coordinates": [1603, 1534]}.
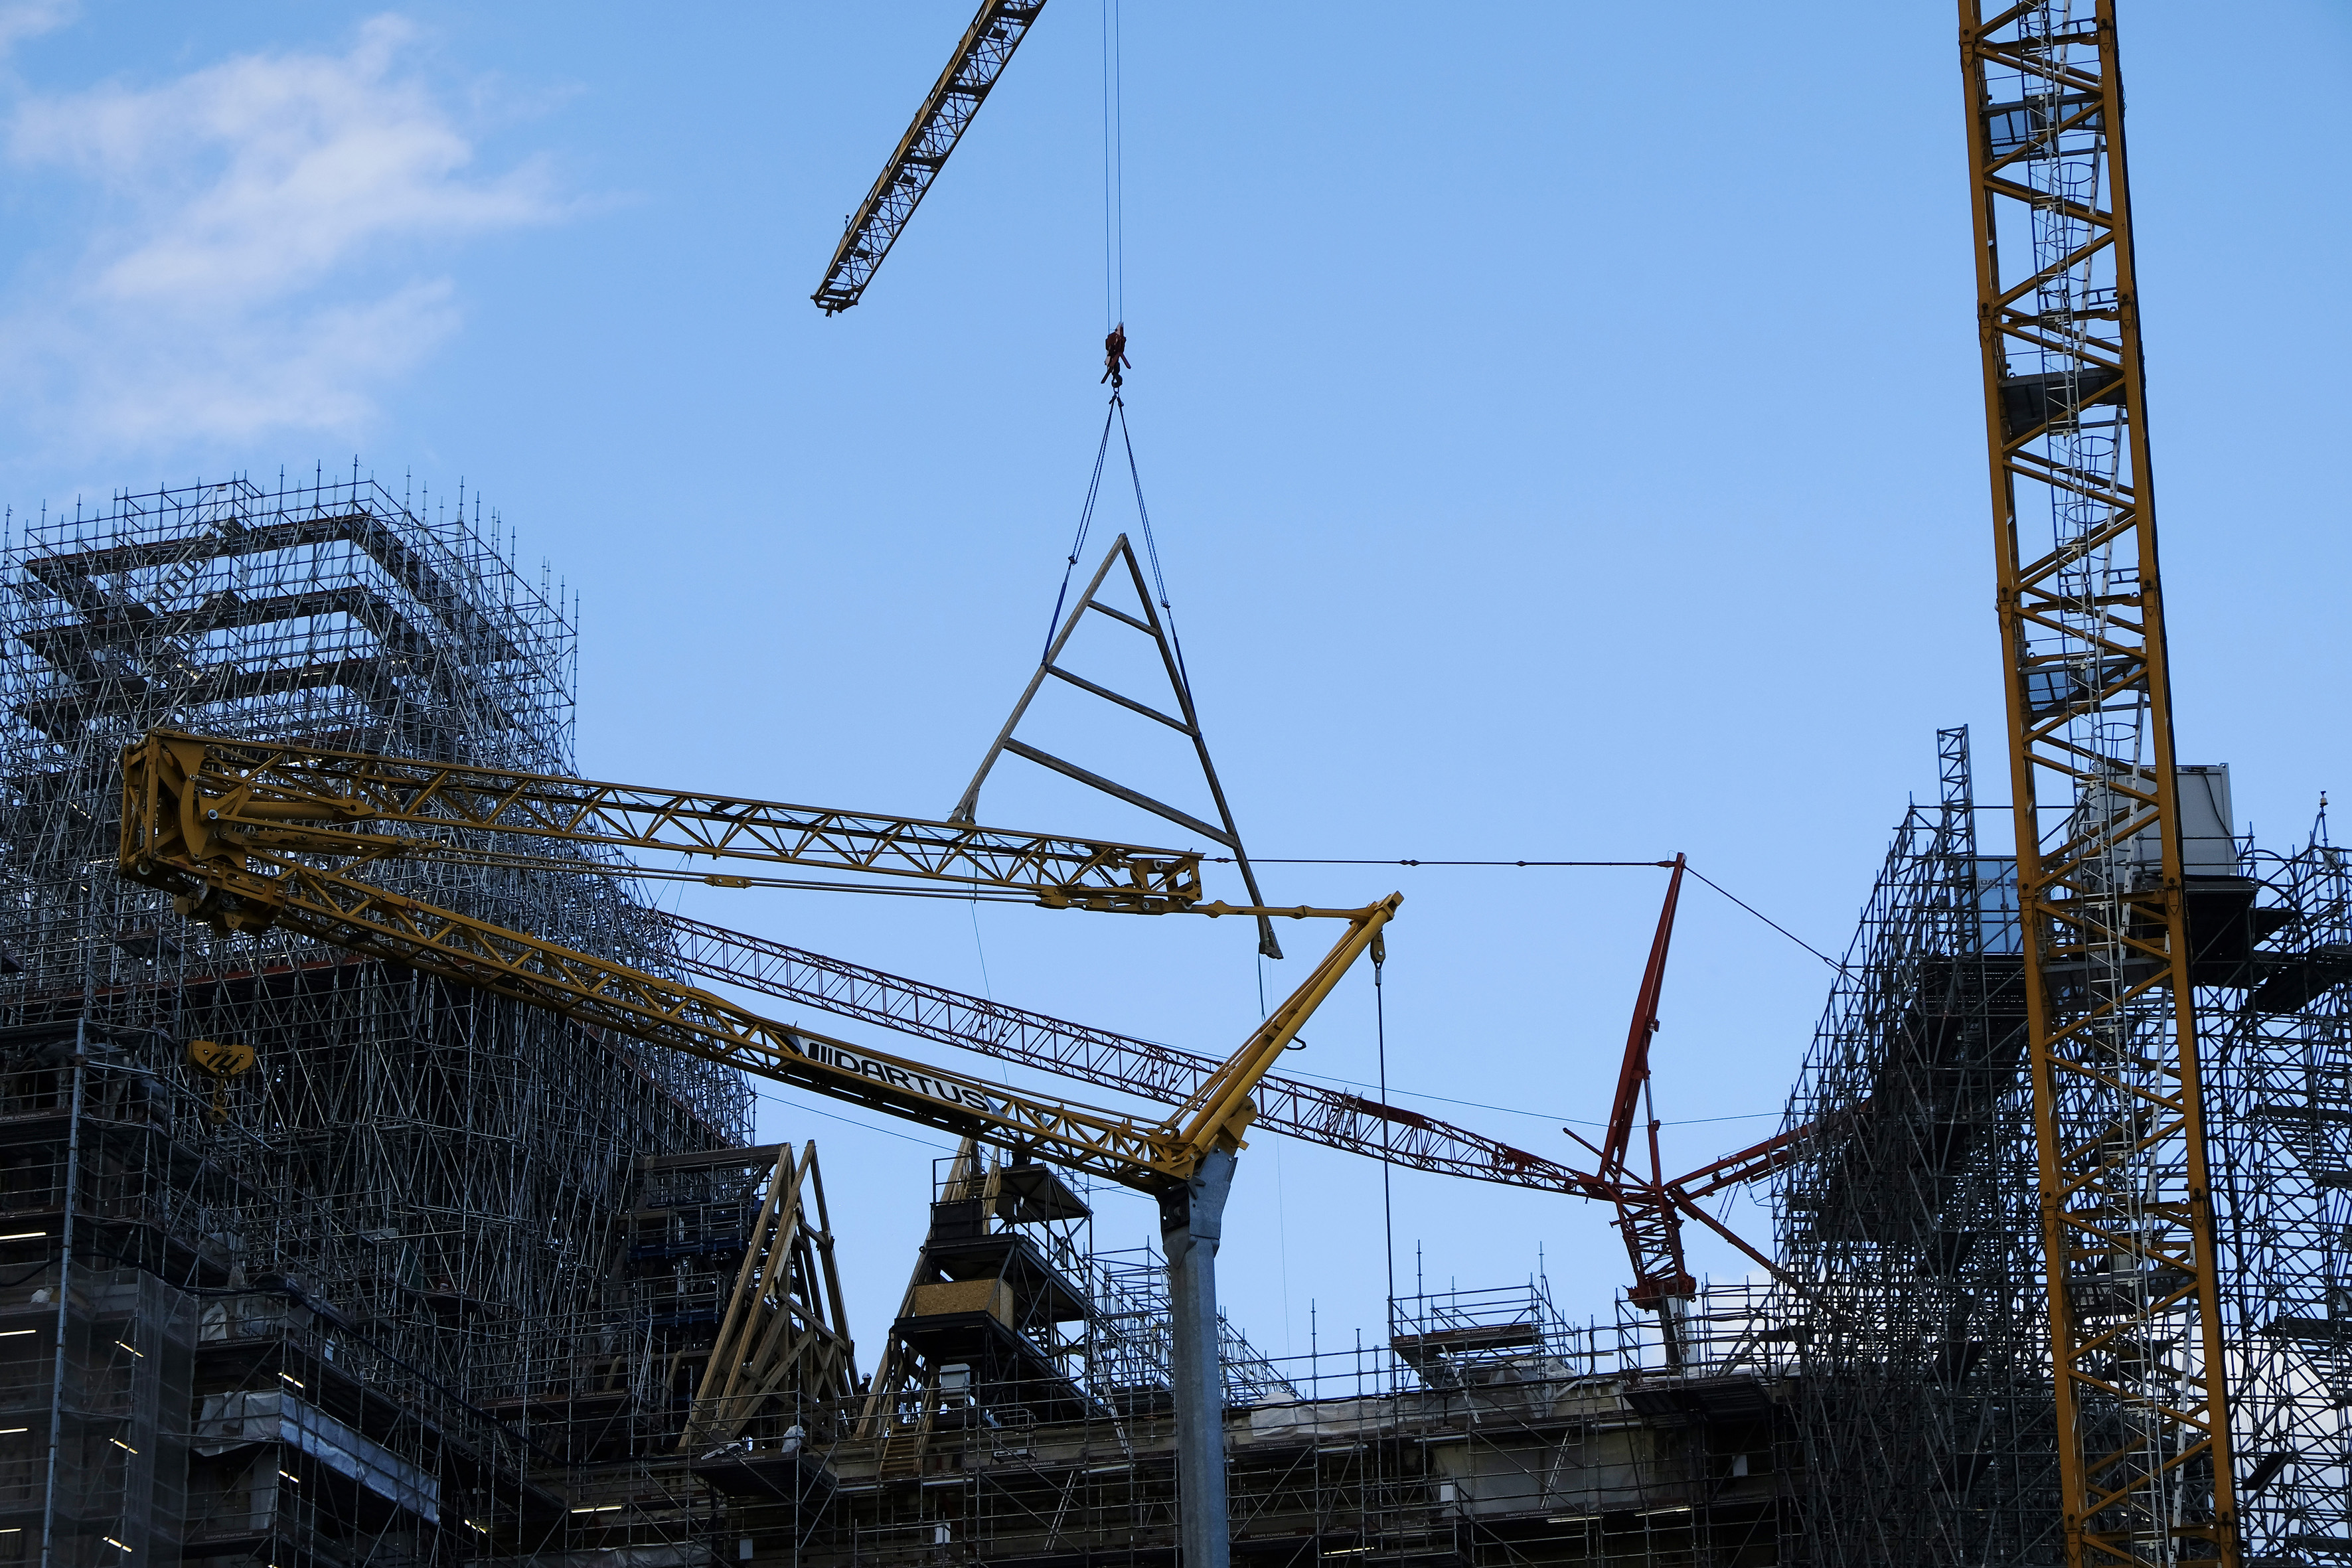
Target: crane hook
{"type": "Point", "coordinates": [1115, 355]}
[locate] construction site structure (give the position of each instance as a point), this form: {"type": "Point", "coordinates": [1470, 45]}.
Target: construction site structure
{"type": "Point", "coordinates": [1914, 1306]}
{"type": "Point", "coordinates": [1023, 1413]}
{"type": "Point", "coordinates": [254, 837]}
{"type": "Point", "coordinates": [430, 1276]}
{"type": "Point", "coordinates": [441, 1277]}
{"type": "Point", "coordinates": [320, 1251]}
{"type": "Point", "coordinates": [1908, 1225]}
{"type": "Point", "coordinates": [372, 1248]}
{"type": "Point", "coordinates": [331, 1260]}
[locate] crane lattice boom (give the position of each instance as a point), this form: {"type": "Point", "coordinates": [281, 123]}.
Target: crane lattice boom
{"type": "Point", "coordinates": [980, 58]}
{"type": "Point", "coordinates": [1312, 1112]}
{"type": "Point", "coordinates": [250, 861]}
{"type": "Point", "coordinates": [1317, 1113]}
{"type": "Point", "coordinates": [352, 802]}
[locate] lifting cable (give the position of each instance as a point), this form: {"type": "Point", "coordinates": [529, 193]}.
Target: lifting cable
{"type": "Point", "coordinates": [1114, 127]}
{"type": "Point", "coordinates": [1117, 414]}
{"type": "Point", "coordinates": [1085, 520]}
{"type": "Point", "coordinates": [1114, 131]}
{"type": "Point", "coordinates": [1743, 903]}
{"type": "Point", "coordinates": [1115, 360]}
{"type": "Point", "coordinates": [1150, 544]}
{"type": "Point", "coordinates": [1387, 1127]}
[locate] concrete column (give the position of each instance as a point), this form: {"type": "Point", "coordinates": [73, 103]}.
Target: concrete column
{"type": "Point", "coordinates": [1191, 1219]}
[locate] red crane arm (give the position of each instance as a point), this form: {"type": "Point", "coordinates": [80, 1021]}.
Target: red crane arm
{"type": "Point", "coordinates": [1635, 1071]}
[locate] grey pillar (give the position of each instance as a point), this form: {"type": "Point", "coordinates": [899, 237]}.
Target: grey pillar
{"type": "Point", "coordinates": [1190, 1220]}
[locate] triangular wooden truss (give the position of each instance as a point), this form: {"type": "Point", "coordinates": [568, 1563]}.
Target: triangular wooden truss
{"type": "Point", "coordinates": [783, 1357]}
{"type": "Point", "coordinates": [1186, 722]}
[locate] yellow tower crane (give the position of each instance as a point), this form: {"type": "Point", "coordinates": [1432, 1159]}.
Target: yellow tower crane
{"type": "Point", "coordinates": [251, 836]}
{"type": "Point", "coordinates": [2140, 1368]}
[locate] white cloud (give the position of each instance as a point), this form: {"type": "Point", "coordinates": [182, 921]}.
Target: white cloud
{"type": "Point", "coordinates": [261, 253]}
{"type": "Point", "coordinates": [22, 19]}
{"type": "Point", "coordinates": [313, 369]}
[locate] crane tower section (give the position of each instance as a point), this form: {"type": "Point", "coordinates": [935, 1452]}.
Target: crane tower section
{"type": "Point", "coordinates": [2140, 1374]}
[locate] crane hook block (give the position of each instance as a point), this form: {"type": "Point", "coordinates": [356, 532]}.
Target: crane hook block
{"type": "Point", "coordinates": [220, 1060]}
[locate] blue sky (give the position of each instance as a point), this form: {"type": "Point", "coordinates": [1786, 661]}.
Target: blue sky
{"type": "Point", "coordinates": [1562, 427]}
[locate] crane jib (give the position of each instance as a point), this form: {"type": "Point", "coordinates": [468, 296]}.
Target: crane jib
{"type": "Point", "coordinates": [909, 1080]}
{"type": "Point", "coordinates": [246, 868]}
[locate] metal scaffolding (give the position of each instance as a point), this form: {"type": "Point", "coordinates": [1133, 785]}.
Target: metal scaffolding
{"type": "Point", "coordinates": [405, 1210]}
{"type": "Point", "coordinates": [1023, 1415]}
{"type": "Point", "coordinates": [1915, 1301]}
{"type": "Point", "coordinates": [2282, 1039]}
{"type": "Point", "coordinates": [442, 1279]}
{"type": "Point", "coordinates": [1907, 1230]}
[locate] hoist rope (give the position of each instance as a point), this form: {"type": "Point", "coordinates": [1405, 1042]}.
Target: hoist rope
{"type": "Point", "coordinates": [1388, 1211]}
{"type": "Point", "coordinates": [1695, 871]}
{"type": "Point", "coordinates": [1085, 520]}
{"type": "Point", "coordinates": [1118, 411]}
{"type": "Point", "coordinates": [1114, 119]}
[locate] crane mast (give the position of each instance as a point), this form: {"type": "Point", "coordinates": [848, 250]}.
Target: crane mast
{"type": "Point", "coordinates": [1647, 1219]}
{"type": "Point", "coordinates": [2138, 1364]}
